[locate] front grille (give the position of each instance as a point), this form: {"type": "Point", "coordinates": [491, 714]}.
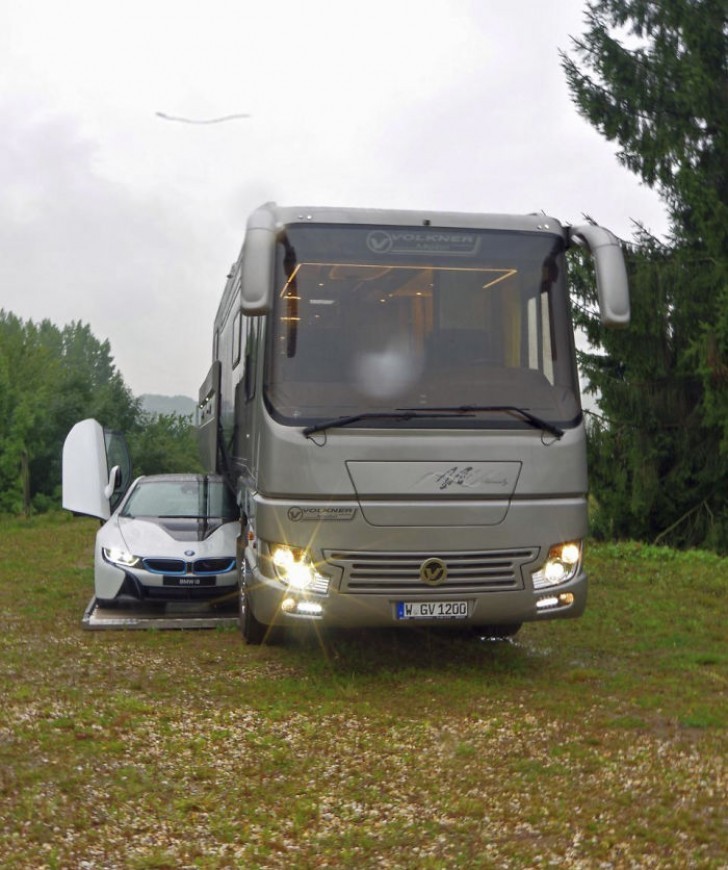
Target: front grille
{"type": "Point", "coordinates": [178, 567]}
{"type": "Point", "coordinates": [165, 566]}
{"type": "Point", "coordinates": [490, 571]}
{"type": "Point", "coordinates": [213, 566]}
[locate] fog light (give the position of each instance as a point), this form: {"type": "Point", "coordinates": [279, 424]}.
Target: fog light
{"type": "Point", "coordinates": [566, 599]}
{"type": "Point", "coordinates": [304, 608]}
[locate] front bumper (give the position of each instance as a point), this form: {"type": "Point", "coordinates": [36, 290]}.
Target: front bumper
{"type": "Point", "coordinates": [274, 604]}
{"type": "Point", "coordinates": [112, 582]}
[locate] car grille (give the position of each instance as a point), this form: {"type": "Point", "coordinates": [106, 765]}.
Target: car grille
{"type": "Point", "coordinates": [213, 566]}
{"type": "Point", "coordinates": [179, 566]}
{"type": "Point", "coordinates": [490, 571]}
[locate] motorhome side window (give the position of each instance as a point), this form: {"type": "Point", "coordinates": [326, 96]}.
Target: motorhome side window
{"type": "Point", "coordinates": [237, 337]}
{"type": "Point", "coordinates": [376, 318]}
{"type": "Point", "coordinates": [251, 355]}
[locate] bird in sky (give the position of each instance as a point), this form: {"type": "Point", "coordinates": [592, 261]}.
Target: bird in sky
{"type": "Point", "coordinates": [220, 120]}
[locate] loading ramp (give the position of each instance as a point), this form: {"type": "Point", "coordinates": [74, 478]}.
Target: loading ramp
{"type": "Point", "coordinates": [221, 613]}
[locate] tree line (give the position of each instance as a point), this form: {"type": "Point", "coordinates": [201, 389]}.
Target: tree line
{"type": "Point", "coordinates": [50, 378]}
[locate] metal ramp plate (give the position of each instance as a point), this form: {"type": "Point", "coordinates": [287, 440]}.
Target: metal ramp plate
{"type": "Point", "coordinates": [178, 614]}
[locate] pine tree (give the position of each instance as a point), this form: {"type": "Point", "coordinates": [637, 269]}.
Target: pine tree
{"type": "Point", "coordinates": [653, 77]}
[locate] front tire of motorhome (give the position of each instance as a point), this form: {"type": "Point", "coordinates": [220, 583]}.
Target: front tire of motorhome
{"type": "Point", "coordinates": [253, 632]}
{"type": "Point", "coordinates": [498, 632]}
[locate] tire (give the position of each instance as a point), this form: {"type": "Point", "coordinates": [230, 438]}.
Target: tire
{"type": "Point", "coordinates": [253, 632]}
{"type": "Point", "coordinates": [499, 631]}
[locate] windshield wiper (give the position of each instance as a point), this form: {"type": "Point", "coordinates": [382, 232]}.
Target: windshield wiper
{"type": "Point", "coordinates": [530, 418]}
{"type": "Point", "coordinates": [401, 414]}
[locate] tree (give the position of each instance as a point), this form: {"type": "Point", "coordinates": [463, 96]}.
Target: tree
{"type": "Point", "coordinates": [49, 379]}
{"type": "Point", "coordinates": [164, 443]}
{"type": "Point", "coordinates": [654, 79]}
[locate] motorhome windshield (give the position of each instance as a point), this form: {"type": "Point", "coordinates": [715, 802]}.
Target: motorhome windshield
{"type": "Point", "coordinates": [368, 319]}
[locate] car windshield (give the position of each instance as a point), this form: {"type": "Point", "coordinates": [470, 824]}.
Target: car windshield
{"type": "Point", "coordinates": [193, 498]}
{"type": "Point", "coordinates": [370, 319]}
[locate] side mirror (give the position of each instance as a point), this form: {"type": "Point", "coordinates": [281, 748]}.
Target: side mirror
{"type": "Point", "coordinates": [258, 264]}
{"type": "Point", "coordinates": [114, 481]}
{"type": "Point", "coordinates": [612, 284]}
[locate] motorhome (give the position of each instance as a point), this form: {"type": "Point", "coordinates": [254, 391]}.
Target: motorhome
{"type": "Point", "coordinates": [395, 399]}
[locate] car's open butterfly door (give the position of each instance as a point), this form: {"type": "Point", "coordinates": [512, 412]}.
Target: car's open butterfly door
{"type": "Point", "coordinates": [96, 469]}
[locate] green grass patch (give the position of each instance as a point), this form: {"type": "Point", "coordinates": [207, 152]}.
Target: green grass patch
{"type": "Point", "coordinates": [597, 741]}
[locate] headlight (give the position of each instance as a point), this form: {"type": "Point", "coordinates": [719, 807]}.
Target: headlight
{"type": "Point", "coordinates": [292, 566]}
{"type": "Point", "coordinates": [119, 557]}
{"type": "Point", "coordinates": [295, 567]}
{"type": "Point", "coordinates": [560, 566]}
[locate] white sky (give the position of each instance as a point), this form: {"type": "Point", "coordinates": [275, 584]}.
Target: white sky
{"type": "Point", "coordinates": [128, 222]}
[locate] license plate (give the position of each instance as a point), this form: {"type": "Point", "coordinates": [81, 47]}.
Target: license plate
{"type": "Point", "coordinates": [189, 582]}
{"type": "Point", "coordinates": [432, 609]}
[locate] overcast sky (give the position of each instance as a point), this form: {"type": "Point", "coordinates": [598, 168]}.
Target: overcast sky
{"type": "Point", "coordinates": [114, 216]}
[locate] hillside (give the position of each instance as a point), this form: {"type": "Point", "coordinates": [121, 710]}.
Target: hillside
{"type": "Point", "coordinates": [154, 404]}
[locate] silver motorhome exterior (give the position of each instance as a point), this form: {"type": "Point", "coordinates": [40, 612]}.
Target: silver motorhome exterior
{"type": "Point", "coordinates": [394, 397]}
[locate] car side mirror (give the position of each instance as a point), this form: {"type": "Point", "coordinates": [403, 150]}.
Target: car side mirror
{"type": "Point", "coordinates": [114, 481]}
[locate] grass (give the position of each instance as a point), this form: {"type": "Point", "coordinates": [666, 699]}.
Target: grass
{"type": "Point", "coordinates": [597, 742]}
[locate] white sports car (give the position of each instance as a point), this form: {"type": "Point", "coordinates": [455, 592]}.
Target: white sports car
{"type": "Point", "coordinates": [170, 537]}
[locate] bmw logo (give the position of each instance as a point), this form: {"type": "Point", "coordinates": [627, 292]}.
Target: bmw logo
{"type": "Point", "coordinates": [189, 552]}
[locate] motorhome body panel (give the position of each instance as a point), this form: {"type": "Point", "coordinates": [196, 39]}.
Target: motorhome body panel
{"type": "Point", "coordinates": [399, 409]}
{"type": "Point", "coordinates": [409, 464]}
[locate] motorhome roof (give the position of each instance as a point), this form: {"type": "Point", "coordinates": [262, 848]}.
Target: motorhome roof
{"type": "Point", "coordinates": [272, 215]}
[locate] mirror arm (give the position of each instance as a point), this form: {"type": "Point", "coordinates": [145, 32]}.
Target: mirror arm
{"type": "Point", "coordinates": [114, 481]}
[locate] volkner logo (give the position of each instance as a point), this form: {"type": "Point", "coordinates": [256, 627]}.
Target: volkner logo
{"type": "Point", "coordinates": [297, 514]}
{"type": "Point", "coordinates": [433, 572]}
{"type": "Point", "coordinates": [379, 241]}
{"type": "Point", "coordinates": [422, 242]}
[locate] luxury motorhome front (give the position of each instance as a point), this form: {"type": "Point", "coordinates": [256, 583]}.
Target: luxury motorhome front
{"type": "Point", "coordinates": [394, 397]}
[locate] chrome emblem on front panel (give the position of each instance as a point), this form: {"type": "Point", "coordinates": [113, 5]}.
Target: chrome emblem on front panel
{"type": "Point", "coordinates": [433, 572]}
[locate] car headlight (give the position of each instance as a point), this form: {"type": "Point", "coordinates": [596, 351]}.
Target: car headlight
{"type": "Point", "coordinates": [294, 567]}
{"type": "Point", "coordinates": [560, 566]}
{"type": "Point", "coordinates": [119, 557]}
